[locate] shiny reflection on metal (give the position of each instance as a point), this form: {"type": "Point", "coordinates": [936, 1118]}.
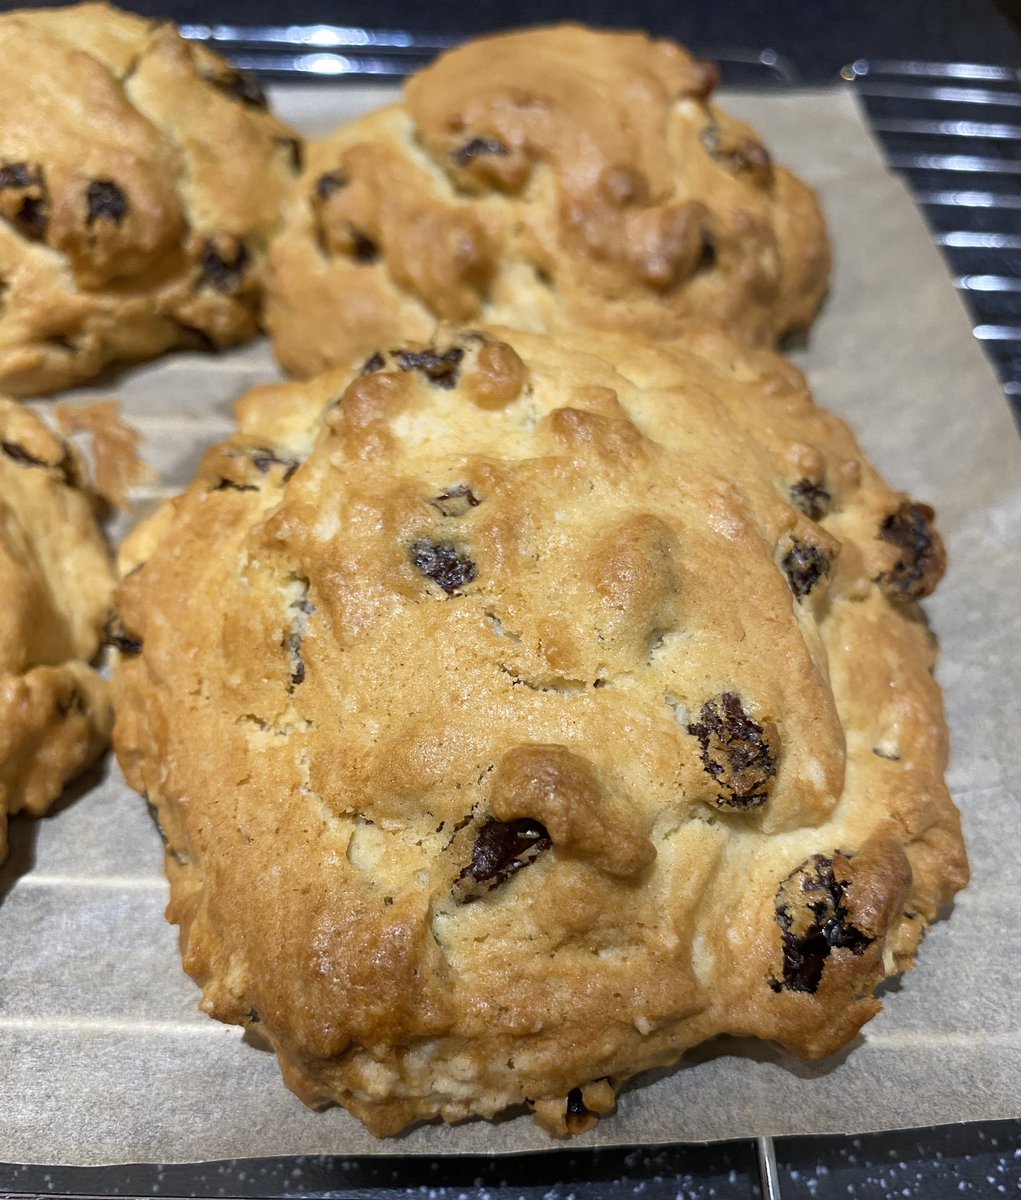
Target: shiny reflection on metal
{"type": "Point", "coordinates": [953, 162]}
{"type": "Point", "coordinates": [932, 70]}
{"type": "Point", "coordinates": [326, 65]}
{"type": "Point", "coordinates": [346, 37]}
{"type": "Point", "coordinates": [988, 283]}
{"type": "Point", "coordinates": [943, 95]}
{"type": "Point", "coordinates": [968, 199]}
{"type": "Point", "coordinates": [778, 65]}
{"type": "Point", "coordinates": [965, 129]}
{"type": "Point", "coordinates": [768, 1173]}
{"type": "Point", "coordinates": [968, 239]}
{"type": "Point", "coordinates": [998, 333]}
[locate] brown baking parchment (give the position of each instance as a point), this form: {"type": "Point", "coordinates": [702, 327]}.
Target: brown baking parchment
{"type": "Point", "coordinates": [103, 1054]}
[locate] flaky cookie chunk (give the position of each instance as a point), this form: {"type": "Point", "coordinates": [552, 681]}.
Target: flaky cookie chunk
{"type": "Point", "coordinates": [542, 179]}
{"type": "Point", "coordinates": [56, 580]}
{"type": "Point", "coordinates": [519, 713]}
{"type": "Point", "coordinates": [140, 178]}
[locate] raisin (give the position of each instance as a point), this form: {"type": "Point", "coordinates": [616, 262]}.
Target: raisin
{"type": "Point", "coordinates": [577, 1117]}
{"type": "Point", "coordinates": [707, 253]}
{"type": "Point", "coordinates": [737, 752]}
{"type": "Point", "coordinates": [443, 563]}
{"type": "Point", "coordinates": [24, 199]}
{"type": "Point", "coordinates": [264, 459]}
{"type": "Point", "coordinates": [21, 456]}
{"type": "Point", "coordinates": [737, 154]}
{"type": "Point", "coordinates": [329, 183]}
{"type": "Point", "coordinates": [804, 565]}
{"type": "Point", "coordinates": [114, 634]}
{"type": "Point", "coordinates": [812, 913]}
{"type": "Point", "coordinates": [294, 150]}
{"type": "Point", "coordinates": [439, 368]}
{"type": "Point", "coordinates": [106, 201]}
{"type": "Point", "coordinates": [364, 249]}
{"type": "Point", "coordinates": [302, 610]}
{"type": "Point", "coordinates": [376, 363]}
{"type": "Point", "coordinates": [298, 671]}
{"type": "Point", "coordinates": [253, 1017]}
{"type": "Point", "coordinates": [923, 559]}
{"type": "Point", "coordinates": [242, 86]}
{"type": "Point", "coordinates": [222, 269]}
{"type": "Point", "coordinates": [456, 501]}
{"type": "Point", "coordinates": [501, 849]}
{"type": "Point", "coordinates": [476, 147]}
{"type": "Point", "coordinates": [811, 498]}
{"type": "Point", "coordinates": [228, 485]}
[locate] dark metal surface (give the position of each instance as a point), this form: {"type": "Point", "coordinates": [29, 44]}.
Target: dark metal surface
{"type": "Point", "coordinates": [953, 130]}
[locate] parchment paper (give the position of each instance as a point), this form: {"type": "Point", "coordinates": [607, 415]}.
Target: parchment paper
{"type": "Point", "coordinates": [103, 1054]}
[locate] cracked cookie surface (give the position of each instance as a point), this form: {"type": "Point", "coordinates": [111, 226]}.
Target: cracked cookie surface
{"type": "Point", "coordinates": [539, 179]}
{"type": "Point", "coordinates": [500, 751]}
{"type": "Point", "coordinates": [140, 180]}
{"type": "Point", "coordinates": [56, 580]}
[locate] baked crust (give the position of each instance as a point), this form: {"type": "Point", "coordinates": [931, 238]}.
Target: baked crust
{"type": "Point", "coordinates": [140, 181]}
{"type": "Point", "coordinates": [540, 179]}
{"type": "Point", "coordinates": [519, 713]}
{"type": "Point", "coordinates": [56, 579]}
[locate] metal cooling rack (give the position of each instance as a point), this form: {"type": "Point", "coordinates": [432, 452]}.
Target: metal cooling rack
{"type": "Point", "coordinates": [953, 130]}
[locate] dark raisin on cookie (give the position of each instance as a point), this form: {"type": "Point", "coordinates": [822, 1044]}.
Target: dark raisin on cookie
{"type": "Point", "coordinates": [439, 367]}
{"type": "Point", "coordinates": [501, 849]}
{"type": "Point", "coordinates": [738, 752]}
{"type": "Point", "coordinates": [813, 915]}
{"type": "Point", "coordinates": [229, 485]}
{"type": "Point", "coordinates": [264, 459]}
{"type": "Point", "coordinates": [804, 565]}
{"type": "Point", "coordinates": [242, 86]}
{"type": "Point", "coordinates": [24, 199]}
{"type": "Point", "coordinates": [376, 363]}
{"type": "Point", "coordinates": [114, 634]}
{"type": "Point", "coordinates": [17, 453]}
{"type": "Point", "coordinates": [363, 248]}
{"type": "Point", "coordinates": [577, 1117]}
{"type": "Point", "coordinates": [737, 154]}
{"type": "Point", "coordinates": [105, 201]}
{"type": "Point", "coordinates": [443, 563]}
{"type": "Point", "coordinates": [465, 154]}
{"type": "Point", "coordinates": [811, 498]}
{"type": "Point", "coordinates": [301, 610]}
{"type": "Point", "coordinates": [65, 468]}
{"type": "Point", "coordinates": [330, 182]}
{"type": "Point", "coordinates": [224, 268]}
{"type": "Point", "coordinates": [456, 501]}
{"type": "Point", "coordinates": [707, 253]}
{"type": "Point", "coordinates": [923, 558]}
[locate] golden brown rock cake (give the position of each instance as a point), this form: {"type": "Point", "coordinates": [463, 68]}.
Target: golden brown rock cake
{"type": "Point", "coordinates": [56, 579]}
{"type": "Point", "coordinates": [140, 178]}
{"type": "Point", "coordinates": [521, 712]}
{"type": "Point", "coordinates": [541, 179]}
